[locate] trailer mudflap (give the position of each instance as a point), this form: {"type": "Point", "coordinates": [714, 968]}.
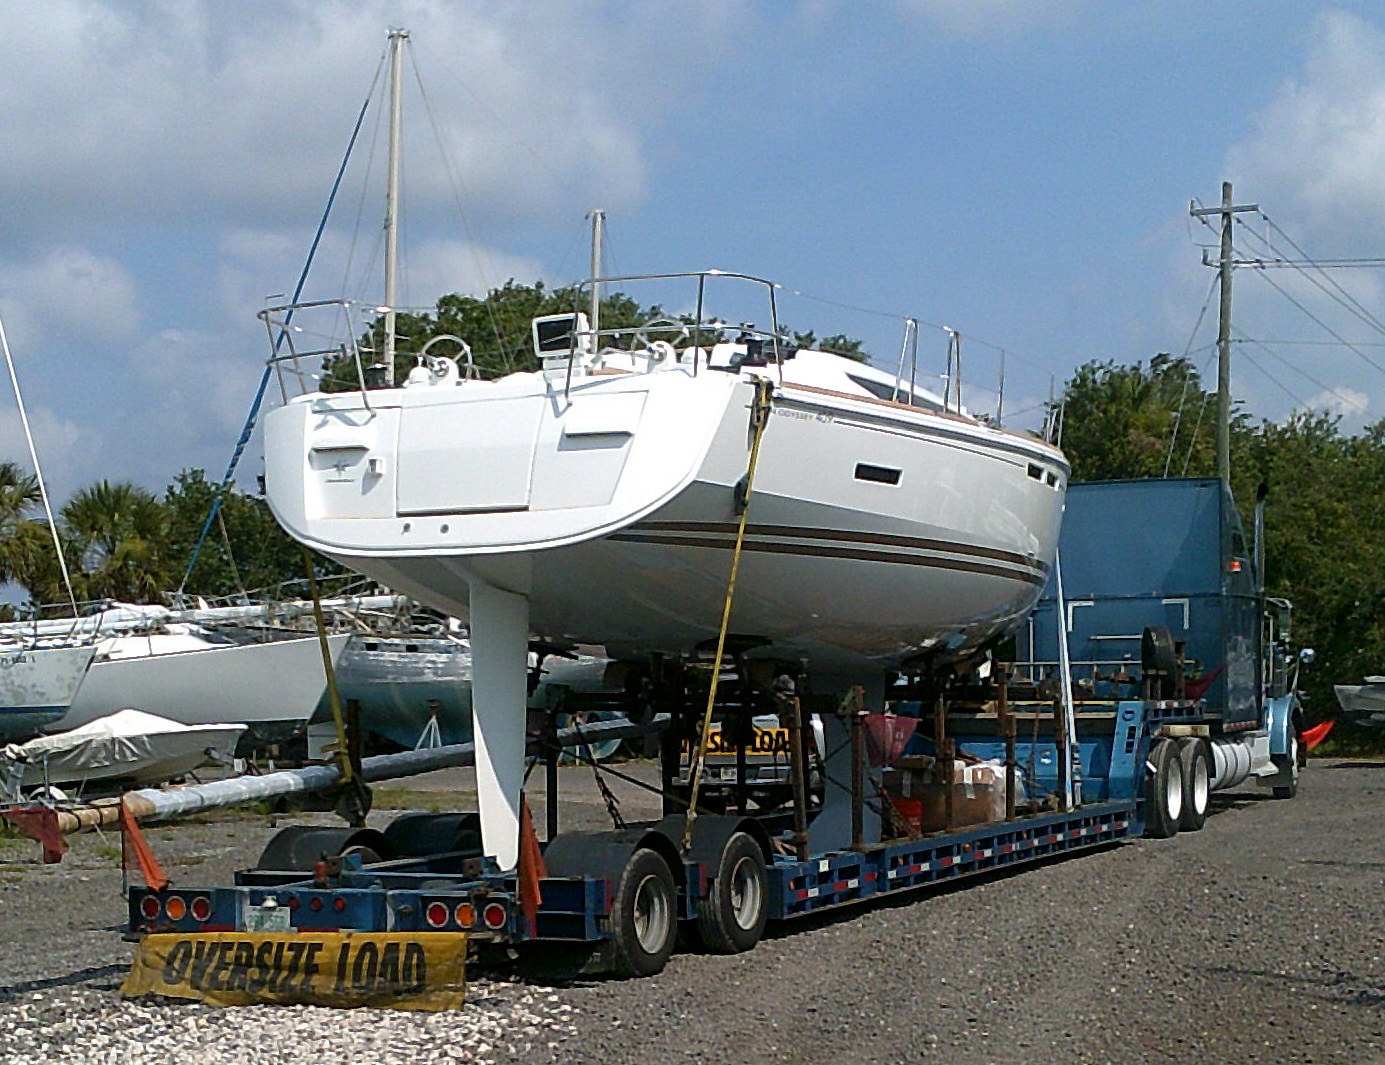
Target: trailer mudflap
{"type": "Point", "coordinates": [392, 970]}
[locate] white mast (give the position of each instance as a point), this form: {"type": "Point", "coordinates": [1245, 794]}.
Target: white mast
{"type": "Point", "coordinates": [598, 217]}
{"type": "Point", "coordinates": [397, 39]}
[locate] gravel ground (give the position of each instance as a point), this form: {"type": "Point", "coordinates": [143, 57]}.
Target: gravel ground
{"type": "Point", "coordinates": [1262, 937]}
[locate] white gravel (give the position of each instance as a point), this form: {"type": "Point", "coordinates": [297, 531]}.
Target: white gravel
{"type": "Point", "coordinates": [93, 1026]}
{"type": "Point", "coordinates": [1261, 938]}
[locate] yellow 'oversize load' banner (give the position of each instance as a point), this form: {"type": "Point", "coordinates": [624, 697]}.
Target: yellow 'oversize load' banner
{"type": "Point", "coordinates": [396, 970]}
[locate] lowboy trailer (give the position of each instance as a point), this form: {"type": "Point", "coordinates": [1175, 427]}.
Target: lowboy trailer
{"type": "Point", "coordinates": [1191, 689]}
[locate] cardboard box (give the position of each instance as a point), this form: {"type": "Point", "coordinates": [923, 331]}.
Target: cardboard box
{"type": "Point", "coordinates": [920, 797]}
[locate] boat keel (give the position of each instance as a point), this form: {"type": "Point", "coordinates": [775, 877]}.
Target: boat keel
{"type": "Point", "coordinates": [499, 670]}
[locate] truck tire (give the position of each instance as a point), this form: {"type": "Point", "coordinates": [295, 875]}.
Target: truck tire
{"type": "Point", "coordinates": [1196, 765]}
{"type": "Point", "coordinates": [1287, 764]}
{"type": "Point", "coordinates": [644, 916]}
{"type": "Point", "coordinates": [1163, 790]}
{"type": "Point", "coordinates": [732, 917]}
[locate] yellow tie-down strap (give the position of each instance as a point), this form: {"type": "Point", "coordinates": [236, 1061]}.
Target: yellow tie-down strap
{"type": "Point", "coordinates": [393, 970]}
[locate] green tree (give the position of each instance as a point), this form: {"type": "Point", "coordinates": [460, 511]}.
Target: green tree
{"type": "Point", "coordinates": [498, 329]}
{"type": "Point", "coordinates": [22, 539]}
{"type": "Point", "coordinates": [245, 549]}
{"type": "Point", "coordinates": [119, 536]}
{"type": "Point", "coordinates": [1138, 421]}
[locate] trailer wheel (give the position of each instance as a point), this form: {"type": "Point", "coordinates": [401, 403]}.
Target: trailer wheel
{"type": "Point", "coordinates": [732, 918]}
{"type": "Point", "coordinates": [1196, 766]}
{"type": "Point", "coordinates": [1163, 791]}
{"type": "Point", "coordinates": [644, 915]}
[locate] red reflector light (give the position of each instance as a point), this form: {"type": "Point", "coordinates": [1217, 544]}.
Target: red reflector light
{"type": "Point", "coordinates": [466, 914]}
{"type": "Point", "coordinates": [149, 906]}
{"type": "Point", "coordinates": [293, 902]}
{"type": "Point", "coordinates": [315, 903]}
{"type": "Point", "coordinates": [201, 908]}
{"type": "Point", "coordinates": [338, 904]}
{"type": "Point", "coordinates": [176, 908]}
{"type": "Point", "coordinates": [494, 915]}
{"type": "Point", "coordinates": [435, 915]}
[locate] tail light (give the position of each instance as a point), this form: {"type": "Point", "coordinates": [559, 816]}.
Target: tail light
{"type": "Point", "coordinates": [201, 908]}
{"type": "Point", "coordinates": [494, 915]}
{"type": "Point", "coordinates": [465, 914]}
{"type": "Point", "coordinates": [339, 904]}
{"type": "Point", "coordinates": [149, 906]}
{"type": "Point", "coordinates": [176, 907]}
{"type": "Point", "coordinates": [435, 915]}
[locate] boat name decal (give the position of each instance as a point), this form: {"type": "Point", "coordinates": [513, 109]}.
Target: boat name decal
{"type": "Point", "coordinates": [806, 415]}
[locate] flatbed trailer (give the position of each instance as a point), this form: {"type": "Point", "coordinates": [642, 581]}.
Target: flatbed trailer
{"type": "Point", "coordinates": [1135, 748]}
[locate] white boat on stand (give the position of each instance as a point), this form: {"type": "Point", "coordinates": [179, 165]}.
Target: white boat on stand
{"type": "Point", "coordinates": [132, 748]}
{"type": "Point", "coordinates": [183, 665]}
{"type": "Point", "coordinates": [38, 681]}
{"type": "Point", "coordinates": [597, 501]}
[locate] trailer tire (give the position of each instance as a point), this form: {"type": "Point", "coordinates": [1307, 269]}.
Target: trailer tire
{"type": "Point", "coordinates": [644, 916]}
{"type": "Point", "coordinates": [1163, 790]}
{"type": "Point", "coordinates": [732, 917]}
{"type": "Point", "coordinates": [1196, 766]}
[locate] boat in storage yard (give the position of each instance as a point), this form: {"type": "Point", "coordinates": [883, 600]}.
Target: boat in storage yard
{"type": "Point", "coordinates": [598, 500]}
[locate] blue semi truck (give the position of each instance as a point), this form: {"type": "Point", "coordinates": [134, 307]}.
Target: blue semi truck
{"type": "Point", "coordinates": [1176, 680]}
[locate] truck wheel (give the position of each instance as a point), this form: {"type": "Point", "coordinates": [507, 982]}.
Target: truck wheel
{"type": "Point", "coordinates": [1163, 791]}
{"type": "Point", "coordinates": [644, 915]}
{"type": "Point", "coordinates": [1287, 764]}
{"type": "Point", "coordinates": [1196, 766]}
{"type": "Point", "coordinates": [732, 917]}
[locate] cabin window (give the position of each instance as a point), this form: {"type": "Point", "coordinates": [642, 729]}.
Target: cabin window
{"type": "Point", "coordinates": [879, 474]}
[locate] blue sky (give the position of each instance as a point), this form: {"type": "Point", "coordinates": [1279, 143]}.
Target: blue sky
{"type": "Point", "coordinates": [1017, 169]}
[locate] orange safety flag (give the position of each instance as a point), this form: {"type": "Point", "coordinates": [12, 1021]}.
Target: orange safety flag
{"type": "Point", "coordinates": [133, 844]}
{"type": "Point", "coordinates": [531, 867]}
{"type": "Point", "coordinates": [1315, 735]}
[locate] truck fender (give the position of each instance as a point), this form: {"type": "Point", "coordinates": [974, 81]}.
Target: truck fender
{"type": "Point", "coordinates": [1280, 715]}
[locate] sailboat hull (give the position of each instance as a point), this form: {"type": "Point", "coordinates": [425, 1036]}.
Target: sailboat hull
{"type": "Point", "coordinates": [876, 533]}
{"type": "Point", "coordinates": [260, 684]}
{"type": "Point", "coordinates": [37, 686]}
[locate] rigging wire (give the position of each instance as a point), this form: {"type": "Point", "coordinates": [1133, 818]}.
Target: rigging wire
{"type": "Point", "coordinates": [38, 471]}
{"type": "Point", "coordinates": [249, 428]}
{"type": "Point", "coordinates": [483, 271]}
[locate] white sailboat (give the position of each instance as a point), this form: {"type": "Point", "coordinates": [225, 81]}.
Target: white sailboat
{"type": "Point", "coordinates": [599, 501]}
{"type": "Point", "coordinates": [38, 681]}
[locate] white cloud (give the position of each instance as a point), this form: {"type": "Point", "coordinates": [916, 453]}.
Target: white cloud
{"type": "Point", "coordinates": [1319, 147]}
{"type": "Point", "coordinates": [62, 447]}
{"type": "Point", "coordinates": [72, 292]}
{"type": "Point", "coordinates": [167, 111]}
{"type": "Point", "coordinates": [1344, 401]}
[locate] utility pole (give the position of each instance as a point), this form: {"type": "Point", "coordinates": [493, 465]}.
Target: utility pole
{"type": "Point", "coordinates": [1224, 264]}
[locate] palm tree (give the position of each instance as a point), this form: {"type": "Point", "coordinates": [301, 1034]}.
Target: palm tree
{"type": "Point", "coordinates": [23, 541]}
{"type": "Point", "coordinates": [120, 533]}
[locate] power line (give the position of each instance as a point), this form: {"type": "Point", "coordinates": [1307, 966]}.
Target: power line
{"type": "Point", "coordinates": [1298, 370]}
